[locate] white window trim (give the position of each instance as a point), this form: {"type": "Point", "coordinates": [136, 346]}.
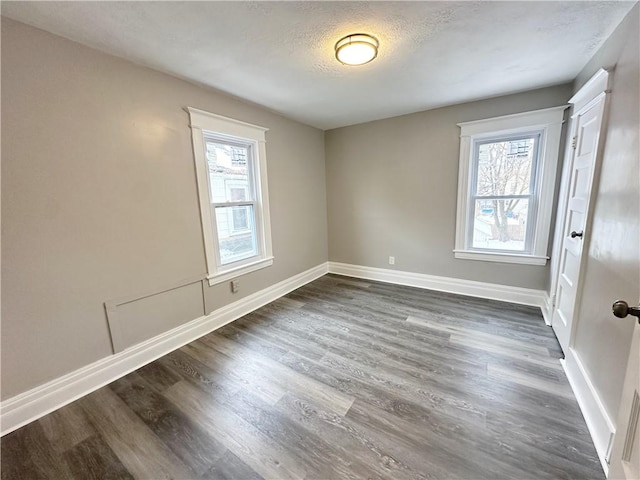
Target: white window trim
{"type": "Point", "coordinates": [202, 121]}
{"type": "Point", "coordinates": [549, 122]}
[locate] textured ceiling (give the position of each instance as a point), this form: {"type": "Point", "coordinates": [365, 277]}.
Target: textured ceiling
{"type": "Point", "coordinates": [280, 54]}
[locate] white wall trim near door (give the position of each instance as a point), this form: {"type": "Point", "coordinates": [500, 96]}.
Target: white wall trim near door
{"type": "Point", "coordinates": [547, 309]}
{"type": "Point", "coordinates": [37, 402]}
{"type": "Point", "coordinates": [599, 423]}
{"type": "Point", "coordinates": [505, 293]}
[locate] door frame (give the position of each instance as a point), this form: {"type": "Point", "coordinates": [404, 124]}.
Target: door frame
{"type": "Point", "coordinates": [598, 85]}
{"type": "Point", "coordinates": [600, 425]}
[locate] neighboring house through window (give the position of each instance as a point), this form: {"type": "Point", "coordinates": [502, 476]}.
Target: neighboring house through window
{"type": "Point", "coordinates": [238, 156]}
{"type": "Point", "coordinates": [230, 159]}
{"type": "Point", "coordinates": [506, 185]}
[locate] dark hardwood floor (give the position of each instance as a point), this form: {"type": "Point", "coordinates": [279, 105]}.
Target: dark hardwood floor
{"type": "Point", "coordinates": [340, 379]}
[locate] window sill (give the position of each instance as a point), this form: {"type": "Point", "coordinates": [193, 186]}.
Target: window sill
{"type": "Point", "coordinates": [501, 257]}
{"type": "Point", "coordinates": [232, 273]}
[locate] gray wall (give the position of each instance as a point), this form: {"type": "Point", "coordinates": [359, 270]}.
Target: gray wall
{"type": "Point", "coordinates": [99, 201]}
{"type": "Point", "coordinates": [613, 260]}
{"type": "Point", "coordinates": [392, 191]}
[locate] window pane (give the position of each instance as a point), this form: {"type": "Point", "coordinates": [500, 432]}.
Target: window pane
{"type": "Point", "coordinates": [228, 172]}
{"type": "Point", "coordinates": [236, 233]}
{"type": "Point", "coordinates": [504, 167]}
{"type": "Point", "coordinates": [500, 224]}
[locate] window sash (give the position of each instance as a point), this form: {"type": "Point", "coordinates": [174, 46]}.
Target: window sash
{"type": "Point", "coordinates": [251, 201]}
{"type": "Point", "coordinates": [234, 259]}
{"type": "Point", "coordinates": [475, 160]}
{"type": "Point", "coordinates": [254, 226]}
{"type": "Point", "coordinates": [252, 191]}
{"type": "Point", "coordinates": [529, 234]}
{"type": "Point", "coordinates": [532, 196]}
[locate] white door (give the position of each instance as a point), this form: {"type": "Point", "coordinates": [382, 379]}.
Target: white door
{"type": "Point", "coordinates": [587, 123]}
{"type": "Point", "coordinates": [625, 455]}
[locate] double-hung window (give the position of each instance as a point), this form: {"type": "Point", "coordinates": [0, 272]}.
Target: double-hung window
{"type": "Point", "coordinates": [506, 186]}
{"type": "Point", "coordinates": [230, 158]}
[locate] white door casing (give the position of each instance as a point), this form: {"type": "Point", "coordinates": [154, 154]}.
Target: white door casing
{"type": "Point", "coordinates": [625, 454]}
{"type": "Point", "coordinates": [587, 141]}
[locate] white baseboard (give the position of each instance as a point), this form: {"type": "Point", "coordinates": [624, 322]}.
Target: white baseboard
{"type": "Point", "coordinates": [547, 309]}
{"type": "Point", "coordinates": [599, 423]}
{"type": "Point", "coordinates": [37, 402]}
{"type": "Point", "coordinates": [505, 293]}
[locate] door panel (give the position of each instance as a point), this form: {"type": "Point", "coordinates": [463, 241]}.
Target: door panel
{"type": "Point", "coordinates": [589, 134]}
{"type": "Point", "coordinates": [587, 126]}
{"type": "Point", "coordinates": [625, 455]}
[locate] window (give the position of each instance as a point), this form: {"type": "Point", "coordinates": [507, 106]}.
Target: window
{"type": "Point", "coordinates": [506, 185]}
{"type": "Point", "coordinates": [230, 159]}
{"type": "Point", "coordinates": [501, 198]}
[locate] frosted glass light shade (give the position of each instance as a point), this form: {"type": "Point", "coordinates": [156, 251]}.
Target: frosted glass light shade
{"type": "Point", "coordinates": [356, 49]}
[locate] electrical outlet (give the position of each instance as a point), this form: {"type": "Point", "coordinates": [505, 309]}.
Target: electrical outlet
{"type": "Point", "coordinates": [235, 286]}
{"type": "Point", "coordinates": [392, 260]}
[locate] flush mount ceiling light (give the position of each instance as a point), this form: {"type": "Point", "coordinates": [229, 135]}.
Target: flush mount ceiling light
{"type": "Point", "coordinates": [357, 49]}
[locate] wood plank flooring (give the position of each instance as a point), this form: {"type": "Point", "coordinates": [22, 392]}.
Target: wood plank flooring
{"type": "Point", "coordinates": [339, 379]}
